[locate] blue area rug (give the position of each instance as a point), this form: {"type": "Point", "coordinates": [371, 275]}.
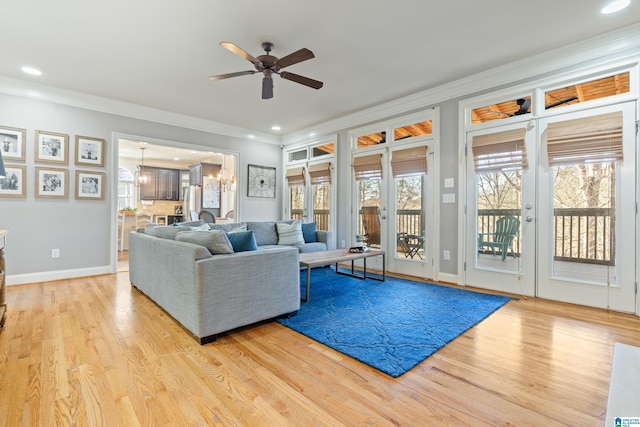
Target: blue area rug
{"type": "Point", "coordinates": [392, 325]}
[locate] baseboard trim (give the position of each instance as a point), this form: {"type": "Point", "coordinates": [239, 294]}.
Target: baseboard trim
{"type": "Point", "coordinates": [448, 278]}
{"type": "Point", "coordinates": [47, 276]}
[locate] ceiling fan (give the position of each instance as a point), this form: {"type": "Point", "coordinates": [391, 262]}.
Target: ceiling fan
{"type": "Point", "coordinates": [525, 104]}
{"type": "Point", "coordinates": [269, 65]}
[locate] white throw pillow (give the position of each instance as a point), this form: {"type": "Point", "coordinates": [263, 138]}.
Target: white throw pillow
{"type": "Point", "coordinates": [290, 234]}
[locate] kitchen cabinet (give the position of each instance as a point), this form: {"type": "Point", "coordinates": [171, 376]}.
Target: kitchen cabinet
{"type": "Point", "coordinates": [162, 184]}
{"type": "Point", "coordinates": [197, 171]}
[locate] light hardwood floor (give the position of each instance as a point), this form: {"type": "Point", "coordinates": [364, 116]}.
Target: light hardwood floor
{"type": "Point", "coordinates": [94, 351]}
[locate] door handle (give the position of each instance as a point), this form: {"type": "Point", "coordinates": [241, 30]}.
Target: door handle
{"type": "Point", "coordinates": [383, 217]}
{"type": "Point", "coordinates": [529, 218]}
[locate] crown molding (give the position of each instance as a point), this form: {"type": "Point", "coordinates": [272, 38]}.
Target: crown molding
{"type": "Point", "coordinates": [40, 92]}
{"type": "Point", "coordinates": [615, 45]}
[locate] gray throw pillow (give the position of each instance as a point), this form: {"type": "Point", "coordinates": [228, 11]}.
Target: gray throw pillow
{"type": "Point", "coordinates": [264, 232]}
{"type": "Point", "coordinates": [164, 231]}
{"type": "Point", "coordinates": [214, 240]}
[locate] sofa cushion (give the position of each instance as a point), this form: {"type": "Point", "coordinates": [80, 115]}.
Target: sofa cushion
{"type": "Point", "coordinates": [189, 223]}
{"type": "Point", "coordinates": [214, 240]}
{"type": "Point", "coordinates": [243, 241]}
{"type": "Point", "coordinates": [264, 231]}
{"type": "Point", "coordinates": [311, 247]}
{"type": "Point", "coordinates": [309, 232]}
{"type": "Point", "coordinates": [290, 234]}
{"type": "Point", "coordinates": [164, 231]}
{"type": "Point", "coordinates": [236, 226]}
{"type": "Point", "coordinates": [202, 227]}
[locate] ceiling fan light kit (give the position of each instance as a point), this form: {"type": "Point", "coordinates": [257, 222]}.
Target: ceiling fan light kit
{"type": "Point", "coordinates": [268, 65]}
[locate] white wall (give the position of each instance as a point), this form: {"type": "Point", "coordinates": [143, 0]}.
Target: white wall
{"type": "Point", "coordinates": [84, 230]}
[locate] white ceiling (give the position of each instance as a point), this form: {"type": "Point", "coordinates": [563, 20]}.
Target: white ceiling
{"type": "Point", "coordinates": [159, 53]}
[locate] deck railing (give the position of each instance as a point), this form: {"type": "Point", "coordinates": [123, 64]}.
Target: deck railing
{"type": "Point", "coordinates": [320, 217]}
{"type": "Point", "coordinates": [583, 235]}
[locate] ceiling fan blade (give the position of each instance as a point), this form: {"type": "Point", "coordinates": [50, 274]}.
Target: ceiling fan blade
{"type": "Point", "coordinates": [524, 105]}
{"type": "Point", "coordinates": [226, 76]}
{"type": "Point", "coordinates": [267, 88]}
{"type": "Point", "coordinates": [295, 57]}
{"type": "Point", "coordinates": [302, 80]}
{"type": "Point", "coordinates": [235, 49]}
{"type": "Point", "coordinates": [560, 102]}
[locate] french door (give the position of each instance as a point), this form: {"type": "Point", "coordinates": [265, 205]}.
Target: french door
{"type": "Point", "coordinates": [501, 183]}
{"type": "Point", "coordinates": [394, 210]}
{"type": "Point", "coordinates": [574, 197]}
{"type": "Point", "coordinates": [586, 251]}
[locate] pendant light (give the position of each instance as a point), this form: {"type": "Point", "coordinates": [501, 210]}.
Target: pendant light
{"type": "Point", "coordinates": [142, 178]}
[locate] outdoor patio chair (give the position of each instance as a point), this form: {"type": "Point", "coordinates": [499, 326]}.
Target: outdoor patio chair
{"type": "Point", "coordinates": [371, 224]}
{"type": "Point", "coordinates": [506, 229]}
{"type": "Point", "coordinates": [410, 244]}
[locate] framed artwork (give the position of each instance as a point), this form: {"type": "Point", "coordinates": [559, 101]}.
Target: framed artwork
{"type": "Point", "coordinates": [90, 185]}
{"type": "Point", "coordinates": [13, 143]}
{"type": "Point", "coordinates": [52, 182]}
{"type": "Point", "coordinates": [261, 182]}
{"type": "Point", "coordinates": [52, 147]}
{"type": "Point", "coordinates": [15, 183]}
{"type": "Point", "coordinates": [210, 192]}
{"type": "Point", "coordinates": [89, 151]}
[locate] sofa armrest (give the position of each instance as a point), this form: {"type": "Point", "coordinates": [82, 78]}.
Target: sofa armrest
{"type": "Point", "coordinates": [325, 237]}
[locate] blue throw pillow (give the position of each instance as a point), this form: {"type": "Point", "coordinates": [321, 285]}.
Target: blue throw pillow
{"type": "Point", "coordinates": [309, 232]}
{"type": "Point", "coordinates": [243, 241]}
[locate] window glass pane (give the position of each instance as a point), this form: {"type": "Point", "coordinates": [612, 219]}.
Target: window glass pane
{"type": "Point", "coordinates": [588, 91]}
{"type": "Point", "coordinates": [584, 222]}
{"type": "Point", "coordinates": [503, 110]}
{"type": "Point", "coordinates": [410, 218]}
{"type": "Point", "coordinates": [499, 204]}
{"type": "Point", "coordinates": [296, 201]}
{"type": "Point", "coordinates": [322, 150]}
{"type": "Point", "coordinates": [369, 221]}
{"type": "Point", "coordinates": [125, 195]}
{"type": "Point", "coordinates": [416, 129]}
{"type": "Point", "coordinates": [298, 155]}
{"type": "Point", "coordinates": [321, 205]}
{"type": "Point", "coordinates": [372, 139]}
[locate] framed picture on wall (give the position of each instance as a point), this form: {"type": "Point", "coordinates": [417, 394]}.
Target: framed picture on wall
{"type": "Point", "coordinates": [89, 151]}
{"type": "Point", "coordinates": [90, 185]}
{"type": "Point", "coordinates": [52, 147]}
{"type": "Point", "coordinates": [262, 181]}
{"type": "Point", "coordinates": [14, 183]}
{"type": "Point", "coordinates": [12, 142]}
{"type": "Point", "coordinates": [52, 182]}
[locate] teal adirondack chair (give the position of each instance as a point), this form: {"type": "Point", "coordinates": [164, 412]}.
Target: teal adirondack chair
{"type": "Point", "coordinates": [507, 228]}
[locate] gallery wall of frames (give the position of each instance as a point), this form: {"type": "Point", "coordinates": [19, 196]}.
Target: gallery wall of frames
{"type": "Point", "coordinates": [50, 174]}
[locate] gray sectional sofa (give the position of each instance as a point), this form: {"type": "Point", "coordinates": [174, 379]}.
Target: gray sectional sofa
{"type": "Point", "coordinates": [211, 287]}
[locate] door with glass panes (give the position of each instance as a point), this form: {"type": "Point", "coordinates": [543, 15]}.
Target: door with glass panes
{"type": "Point", "coordinates": [574, 233]}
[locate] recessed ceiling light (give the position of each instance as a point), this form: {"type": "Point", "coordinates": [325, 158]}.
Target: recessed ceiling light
{"type": "Point", "coordinates": [251, 136]}
{"type": "Point", "coordinates": [176, 158]}
{"type": "Point", "coordinates": [615, 6]}
{"type": "Point", "coordinates": [32, 71]}
{"type": "Point", "coordinates": [275, 127]}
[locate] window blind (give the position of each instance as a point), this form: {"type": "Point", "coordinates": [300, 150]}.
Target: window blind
{"type": "Point", "coordinates": [408, 162]}
{"type": "Point", "coordinates": [368, 167]}
{"type": "Point", "coordinates": [295, 176]}
{"type": "Point", "coordinates": [320, 173]}
{"type": "Point", "coordinates": [500, 151]}
{"type": "Point", "coordinates": [585, 140]}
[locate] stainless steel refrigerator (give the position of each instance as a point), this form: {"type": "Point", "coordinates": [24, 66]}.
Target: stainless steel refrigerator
{"type": "Point", "coordinates": [192, 196]}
